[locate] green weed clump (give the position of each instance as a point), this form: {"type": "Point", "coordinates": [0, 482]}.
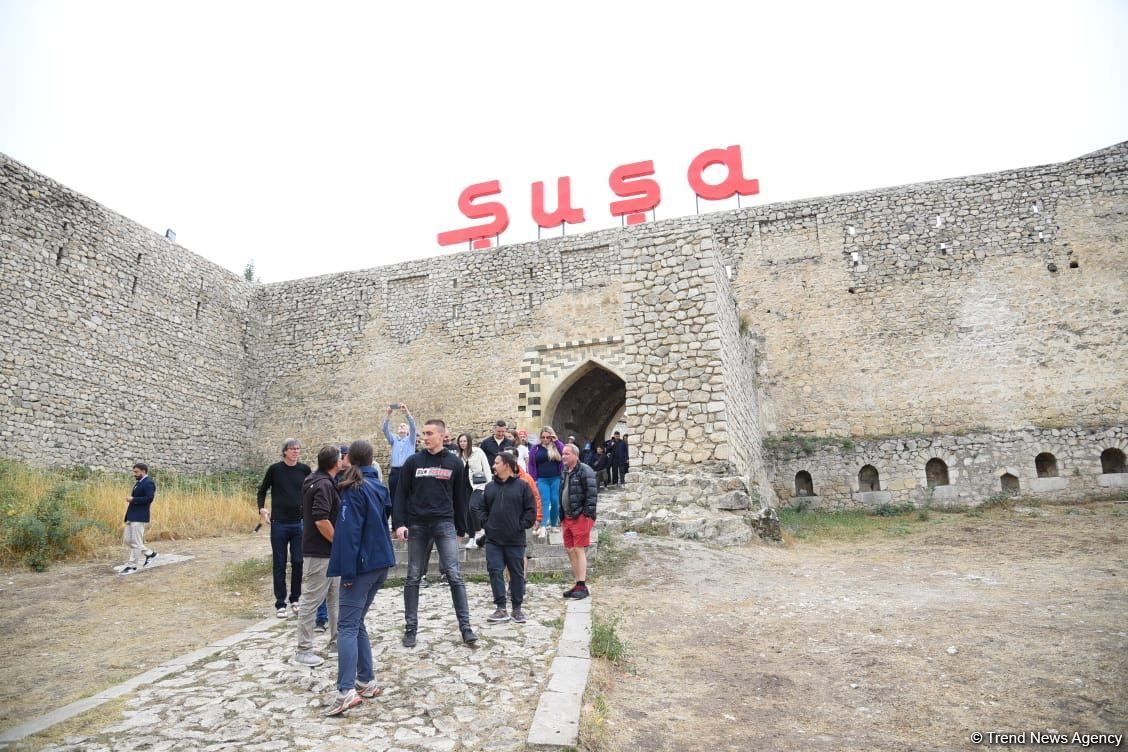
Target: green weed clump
{"type": "Point", "coordinates": [242, 575]}
{"type": "Point", "coordinates": [48, 531]}
{"type": "Point", "coordinates": [1002, 500]}
{"type": "Point", "coordinates": [605, 641]}
{"type": "Point", "coordinates": [892, 510]}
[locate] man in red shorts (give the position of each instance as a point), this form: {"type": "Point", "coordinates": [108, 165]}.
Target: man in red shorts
{"type": "Point", "coordinates": [578, 495]}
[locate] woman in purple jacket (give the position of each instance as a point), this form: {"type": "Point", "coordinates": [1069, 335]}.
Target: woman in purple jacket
{"type": "Point", "coordinates": [546, 467]}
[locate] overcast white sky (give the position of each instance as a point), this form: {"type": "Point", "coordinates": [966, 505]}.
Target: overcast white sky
{"type": "Point", "coordinates": [328, 136]}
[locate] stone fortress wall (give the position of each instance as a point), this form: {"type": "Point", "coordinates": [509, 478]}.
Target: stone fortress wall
{"type": "Point", "coordinates": [987, 307]}
{"type": "Point", "coordinates": [118, 345]}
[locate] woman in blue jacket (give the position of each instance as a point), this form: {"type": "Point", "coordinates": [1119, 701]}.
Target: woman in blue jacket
{"type": "Point", "coordinates": [361, 556]}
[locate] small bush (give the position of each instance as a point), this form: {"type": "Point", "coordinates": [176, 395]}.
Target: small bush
{"type": "Point", "coordinates": [892, 510]}
{"type": "Point", "coordinates": [1003, 500]}
{"type": "Point", "coordinates": [49, 531]}
{"type": "Point", "coordinates": [605, 642]}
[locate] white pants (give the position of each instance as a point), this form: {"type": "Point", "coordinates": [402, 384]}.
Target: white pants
{"type": "Point", "coordinates": [135, 541]}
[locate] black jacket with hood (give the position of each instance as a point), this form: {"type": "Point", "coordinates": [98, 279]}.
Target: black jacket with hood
{"type": "Point", "coordinates": [508, 510]}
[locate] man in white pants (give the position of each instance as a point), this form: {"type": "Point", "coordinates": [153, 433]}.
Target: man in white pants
{"type": "Point", "coordinates": [320, 507]}
{"type": "Point", "coordinates": [137, 517]}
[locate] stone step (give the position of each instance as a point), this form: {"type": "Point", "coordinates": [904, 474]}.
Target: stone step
{"type": "Point", "coordinates": [543, 557]}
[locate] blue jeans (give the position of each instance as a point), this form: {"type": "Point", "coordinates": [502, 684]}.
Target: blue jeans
{"type": "Point", "coordinates": [323, 613]}
{"type": "Point", "coordinates": [354, 651]}
{"type": "Point", "coordinates": [549, 489]}
{"type": "Point", "coordinates": [421, 538]}
{"type": "Point", "coordinates": [500, 558]}
{"type": "Point", "coordinates": [283, 536]}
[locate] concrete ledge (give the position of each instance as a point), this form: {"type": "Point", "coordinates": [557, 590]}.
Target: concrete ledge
{"type": "Point", "coordinates": [1113, 480]}
{"type": "Point", "coordinates": [945, 493]}
{"type": "Point", "coordinates": [1043, 485]}
{"type": "Point", "coordinates": [873, 498]}
{"type": "Point", "coordinates": [556, 723]}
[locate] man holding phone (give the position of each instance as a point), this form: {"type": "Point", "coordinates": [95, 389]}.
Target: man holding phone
{"type": "Point", "coordinates": [403, 443]}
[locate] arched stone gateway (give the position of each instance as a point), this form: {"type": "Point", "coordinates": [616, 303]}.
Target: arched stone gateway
{"type": "Point", "coordinates": [587, 403]}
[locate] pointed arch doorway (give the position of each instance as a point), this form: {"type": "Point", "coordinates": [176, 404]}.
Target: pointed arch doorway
{"type": "Point", "coordinates": [587, 404]}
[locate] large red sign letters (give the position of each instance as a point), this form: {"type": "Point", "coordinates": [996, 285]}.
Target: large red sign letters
{"type": "Point", "coordinates": [630, 182]}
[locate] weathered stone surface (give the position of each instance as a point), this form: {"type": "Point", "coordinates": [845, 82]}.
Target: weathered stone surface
{"type": "Point", "coordinates": [439, 696]}
{"type": "Point", "coordinates": [982, 305]}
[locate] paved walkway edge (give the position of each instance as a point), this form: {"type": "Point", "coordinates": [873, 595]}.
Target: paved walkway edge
{"type": "Point", "coordinates": [78, 707]}
{"type": "Point", "coordinates": [556, 723]}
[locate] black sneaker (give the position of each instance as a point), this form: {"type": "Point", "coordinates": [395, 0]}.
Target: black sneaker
{"type": "Point", "coordinates": [518, 616]}
{"type": "Point", "coordinates": [469, 637]}
{"type": "Point", "coordinates": [149, 557]}
{"type": "Point", "coordinates": [409, 639]}
{"type": "Point", "coordinates": [499, 615]}
{"type": "Point", "coordinates": [424, 583]}
{"type": "Point", "coordinates": [576, 593]}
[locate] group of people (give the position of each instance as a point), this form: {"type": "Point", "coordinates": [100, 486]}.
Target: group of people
{"type": "Point", "coordinates": [336, 526]}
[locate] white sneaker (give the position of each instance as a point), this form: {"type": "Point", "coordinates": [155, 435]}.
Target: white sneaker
{"type": "Point", "coordinates": [308, 659]}
{"type": "Point", "coordinates": [541, 532]}
{"type": "Point", "coordinates": [282, 613]}
{"type": "Point", "coordinates": [295, 607]}
{"type": "Point", "coordinates": [471, 544]}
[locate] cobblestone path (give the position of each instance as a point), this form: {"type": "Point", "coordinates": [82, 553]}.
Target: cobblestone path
{"type": "Point", "coordinates": [441, 695]}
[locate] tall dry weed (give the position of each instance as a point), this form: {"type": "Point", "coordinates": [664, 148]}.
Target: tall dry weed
{"type": "Point", "coordinates": [185, 507]}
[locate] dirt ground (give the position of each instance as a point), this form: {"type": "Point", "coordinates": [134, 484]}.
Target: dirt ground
{"type": "Point", "coordinates": [76, 629]}
{"type": "Point", "coordinates": [1008, 622]}
{"type": "Point", "coordinates": [811, 645]}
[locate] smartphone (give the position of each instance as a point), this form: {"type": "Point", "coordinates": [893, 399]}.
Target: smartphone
{"type": "Point", "coordinates": [394, 405]}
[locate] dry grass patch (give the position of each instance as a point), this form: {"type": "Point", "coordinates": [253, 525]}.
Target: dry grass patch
{"type": "Point", "coordinates": [81, 725]}
{"type": "Point", "coordinates": [58, 514]}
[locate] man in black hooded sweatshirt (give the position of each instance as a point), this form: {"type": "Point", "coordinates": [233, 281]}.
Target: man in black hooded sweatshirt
{"type": "Point", "coordinates": [430, 511]}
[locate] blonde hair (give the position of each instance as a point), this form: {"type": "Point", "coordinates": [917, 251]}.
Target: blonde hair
{"type": "Point", "coordinates": [553, 452]}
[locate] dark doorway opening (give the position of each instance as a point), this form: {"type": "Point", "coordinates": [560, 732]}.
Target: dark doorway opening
{"type": "Point", "coordinates": [587, 404]}
{"type": "Point", "coordinates": [936, 472]}
{"type": "Point", "coordinates": [1046, 465]}
{"type": "Point", "coordinates": [868, 479]}
{"type": "Point", "coordinates": [1112, 461]}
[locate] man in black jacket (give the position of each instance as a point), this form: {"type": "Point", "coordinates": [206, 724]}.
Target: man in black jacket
{"type": "Point", "coordinates": [284, 481]}
{"type": "Point", "coordinates": [578, 496]}
{"type": "Point", "coordinates": [430, 511]}
{"type": "Point", "coordinates": [320, 507]}
{"type": "Point", "coordinates": [600, 463]}
{"type": "Point", "coordinates": [508, 510]}
{"type": "Point", "coordinates": [491, 445]}
{"type": "Point", "coordinates": [618, 455]}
